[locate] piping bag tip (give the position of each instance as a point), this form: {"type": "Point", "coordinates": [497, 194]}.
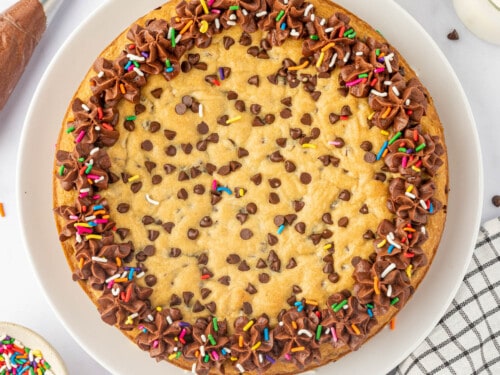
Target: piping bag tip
{"type": "Point", "coordinates": [22, 26]}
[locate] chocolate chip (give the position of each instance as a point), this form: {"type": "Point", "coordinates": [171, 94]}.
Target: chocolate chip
{"type": "Point", "coordinates": [156, 179]}
{"type": "Point", "coordinates": [496, 200]}
{"type": "Point", "coordinates": [136, 186]}
{"type": "Point", "coordinates": [276, 157]}
{"type": "Point", "coordinates": [315, 95]}
{"type": "Point", "coordinates": [379, 176]}
{"type": "Point", "coordinates": [180, 108]}
{"type": "Point", "coordinates": [231, 95]}
{"type": "Point", "coordinates": [147, 220]}
{"type": "Point", "coordinates": [255, 109]}
{"type": "Point", "coordinates": [210, 168]}
{"type": "Point", "coordinates": [213, 138]}
{"type": "Point", "coordinates": [201, 145]}
{"type": "Point", "coordinates": [296, 289]}
{"type": "Point", "coordinates": [122, 233]}
{"type": "Point", "coordinates": [153, 234]}
{"type": "Point", "coordinates": [274, 198]}
{"type": "Point", "coordinates": [168, 227]}
{"type": "Point", "coordinates": [251, 208]}
{"type": "Point", "coordinates": [224, 280]}
{"type": "Point", "coordinates": [345, 195]}
{"type": "Point", "coordinates": [224, 170]}
{"type": "Point", "coordinates": [183, 176]}
{"type": "Point", "coordinates": [291, 300]}
{"type": "Point", "coordinates": [453, 35]}
{"type": "Point", "coordinates": [154, 126]}
{"type": "Point", "coordinates": [149, 250]}
{"type": "Point", "coordinates": [239, 192]}
{"type": "Point", "coordinates": [333, 277]}
{"type": "Point", "coordinates": [261, 263]}
{"type": "Point", "coordinates": [187, 296]}
{"type": "Point", "coordinates": [256, 179]}
{"type": "Point", "coordinates": [287, 101]}
{"type": "Point", "coordinates": [150, 280]}
{"type": "Point", "coordinates": [290, 218]}
{"type": "Point", "coordinates": [211, 306]}
{"type": "Point", "coordinates": [123, 208]}
{"type": "Point", "coordinates": [205, 292]}
{"type": "Point", "coordinates": [306, 119]}
{"type": "Point", "coordinates": [281, 142]}
{"type": "Point", "coordinates": [234, 165]}
{"type": "Point", "coordinates": [169, 134]}
{"type": "Point", "coordinates": [222, 120]}
{"type": "Point", "coordinates": [246, 234]}
{"type": "Point", "coordinates": [241, 217]}
{"type": "Point", "coordinates": [215, 198]}
{"type": "Point", "coordinates": [300, 227]}
{"type": "Point", "coordinates": [149, 165]}
{"type": "Point", "coordinates": [292, 263]}
{"type": "Point", "coordinates": [247, 308]}
{"type": "Point", "coordinates": [171, 150]}
{"type": "Point", "coordinates": [254, 80]}
{"type": "Point", "coordinates": [305, 178]}
{"type": "Point", "coordinates": [245, 39]}
{"type": "Point", "coordinates": [194, 172]}
{"type": "Point", "coordinates": [364, 209]}
{"type": "Point", "coordinates": [366, 146]}
{"type": "Point", "coordinates": [201, 66]}
{"type": "Point", "coordinates": [251, 289]}
{"type": "Point", "coordinates": [370, 157]}
{"type": "Point", "coordinates": [286, 113]}
{"type": "Point", "coordinates": [187, 148]}
{"type": "Point", "coordinates": [202, 128]}
{"type": "Point", "coordinates": [295, 133]}
{"type": "Point", "coordinates": [243, 266]}
{"type": "Point", "coordinates": [197, 307]}
{"type": "Point", "coordinates": [157, 92]}
{"type": "Point", "coordinates": [274, 182]}
{"type": "Point", "coordinates": [253, 51]}
{"type": "Point", "coordinates": [315, 238]}
{"type": "Point", "coordinates": [263, 54]}
{"type": "Point", "coordinates": [328, 268]}
{"type": "Point", "coordinates": [129, 125]}
{"type": "Point", "coordinates": [233, 259]}
{"type": "Point", "coordinates": [169, 168]}
{"type": "Point", "coordinates": [203, 259]}
{"type": "Point", "coordinates": [346, 111]}
{"type": "Point", "coordinates": [240, 105]}
{"type": "Point", "coordinates": [193, 58]}
{"type": "Point", "coordinates": [206, 222]}
{"type": "Point", "coordinates": [193, 233]}
{"type": "Point", "coordinates": [315, 133]}
{"type": "Point", "coordinates": [227, 42]}
{"type": "Point", "coordinates": [343, 221]}
{"type": "Point", "coordinates": [187, 100]}
{"type": "Point", "coordinates": [338, 142]}
{"type": "Point", "coordinates": [242, 152]}
{"type": "Point", "coordinates": [272, 239]}
{"type": "Point", "coordinates": [264, 278]}
{"type": "Point", "coordinates": [327, 233]}
{"type": "Point", "coordinates": [333, 118]}
{"type": "Point", "coordinates": [344, 91]}
{"type": "Point", "coordinates": [269, 118]}
{"type": "Point", "coordinates": [298, 205]}
{"type": "Point", "coordinates": [175, 252]}
{"type": "Point", "coordinates": [279, 220]}
{"type": "Point", "coordinates": [185, 66]}
{"type": "Point", "coordinates": [328, 258]}
{"type": "Point", "coordinates": [327, 218]}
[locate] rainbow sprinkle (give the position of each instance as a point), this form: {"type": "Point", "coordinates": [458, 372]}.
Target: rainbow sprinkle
{"type": "Point", "coordinates": [16, 359]}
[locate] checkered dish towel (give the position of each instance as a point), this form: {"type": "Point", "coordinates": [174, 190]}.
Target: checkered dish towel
{"type": "Point", "coordinates": [467, 338]}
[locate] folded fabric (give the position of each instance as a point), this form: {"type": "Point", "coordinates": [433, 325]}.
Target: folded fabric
{"type": "Point", "coordinates": [467, 338]}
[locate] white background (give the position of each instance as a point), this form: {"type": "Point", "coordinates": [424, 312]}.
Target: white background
{"type": "Point", "coordinates": [21, 299]}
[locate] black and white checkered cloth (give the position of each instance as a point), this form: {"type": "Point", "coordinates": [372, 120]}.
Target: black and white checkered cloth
{"type": "Point", "coordinates": [467, 338]}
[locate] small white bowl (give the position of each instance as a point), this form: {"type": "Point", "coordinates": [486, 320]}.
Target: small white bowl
{"type": "Point", "coordinates": [35, 342]}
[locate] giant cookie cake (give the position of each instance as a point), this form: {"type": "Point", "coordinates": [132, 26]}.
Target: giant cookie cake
{"type": "Point", "coordinates": [250, 185]}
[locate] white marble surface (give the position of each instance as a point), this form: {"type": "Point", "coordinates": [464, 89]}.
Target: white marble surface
{"type": "Point", "coordinates": [474, 61]}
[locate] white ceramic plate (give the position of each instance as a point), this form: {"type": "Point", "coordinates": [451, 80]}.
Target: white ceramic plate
{"type": "Point", "coordinates": [106, 343]}
{"type": "Point", "coordinates": [34, 341]}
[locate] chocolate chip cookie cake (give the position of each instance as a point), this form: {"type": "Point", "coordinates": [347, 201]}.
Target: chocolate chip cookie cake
{"type": "Point", "coordinates": [250, 185]}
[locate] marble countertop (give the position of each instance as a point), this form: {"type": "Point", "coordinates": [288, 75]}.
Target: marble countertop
{"type": "Point", "coordinates": [473, 60]}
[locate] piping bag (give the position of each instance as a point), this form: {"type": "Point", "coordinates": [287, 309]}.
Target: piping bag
{"type": "Point", "coordinates": [21, 28]}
